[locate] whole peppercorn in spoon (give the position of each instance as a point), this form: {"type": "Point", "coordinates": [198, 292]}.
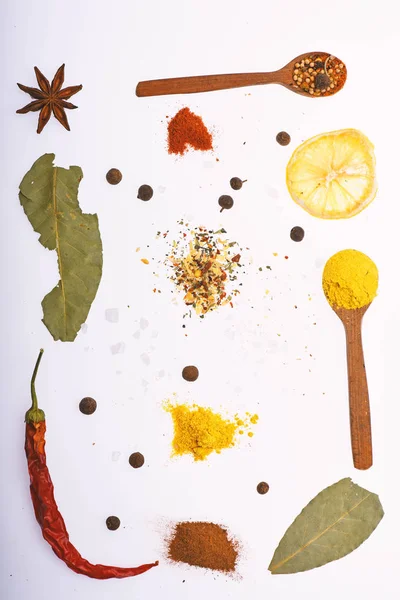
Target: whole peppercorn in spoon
{"type": "Point", "coordinates": [313, 74]}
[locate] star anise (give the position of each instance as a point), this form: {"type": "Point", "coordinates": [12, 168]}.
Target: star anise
{"type": "Point", "coordinates": [49, 98]}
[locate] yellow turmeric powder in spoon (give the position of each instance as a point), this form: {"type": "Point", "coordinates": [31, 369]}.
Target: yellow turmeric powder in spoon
{"type": "Point", "coordinates": [350, 279]}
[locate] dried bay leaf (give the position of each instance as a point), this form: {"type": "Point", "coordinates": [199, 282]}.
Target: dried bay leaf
{"type": "Point", "coordinates": [49, 197]}
{"type": "Point", "coordinates": [333, 524]}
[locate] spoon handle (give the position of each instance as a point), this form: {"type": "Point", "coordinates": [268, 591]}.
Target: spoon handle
{"type": "Point", "coordinates": [204, 83]}
{"type": "Point", "coordinates": [360, 417]}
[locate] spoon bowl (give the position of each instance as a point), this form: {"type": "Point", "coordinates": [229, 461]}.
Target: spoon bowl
{"type": "Point", "coordinates": [300, 82]}
{"type": "Point", "coordinates": [360, 417]}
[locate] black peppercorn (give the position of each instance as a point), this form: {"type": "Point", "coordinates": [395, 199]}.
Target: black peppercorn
{"type": "Point", "coordinates": [113, 523]}
{"type": "Point", "coordinates": [145, 192]}
{"type": "Point", "coordinates": [190, 373]}
{"type": "Point", "coordinates": [225, 202]}
{"type": "Point", "coordinates": [322, 81]}
{"type": "Point", "coordinates": [262, 487]}
{"type": "Point", "coordinates": [236, 183]}
{"type": "Point", "coordinates": [87, 406]}
{"type": "Point", "coordinates": [114, 176]}
{"type": "Point", "coordinates": [136, 460]}
{"type": "Point", "coordinates": [283, 138]}
{"type": "Point", "coordinates": [297, 234]}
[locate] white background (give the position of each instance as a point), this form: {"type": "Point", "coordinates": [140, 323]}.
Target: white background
{"type": "Point", "coordinates": [249, 357]}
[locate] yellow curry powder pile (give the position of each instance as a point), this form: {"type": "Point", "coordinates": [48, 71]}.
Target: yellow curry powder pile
{"type": "Point", "coordinates": [350, 279]}
{"type": "Point", "coordinates": [200, 431]}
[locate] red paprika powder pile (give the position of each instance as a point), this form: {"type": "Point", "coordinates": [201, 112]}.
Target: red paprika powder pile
{"type": "Point", "coordinates": [203, 544]}
{"type": "Point", "coordinates": [187, 129]}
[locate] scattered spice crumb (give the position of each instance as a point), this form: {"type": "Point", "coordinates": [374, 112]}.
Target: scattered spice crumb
{"type": "Point", "coordinates": [144, 261]}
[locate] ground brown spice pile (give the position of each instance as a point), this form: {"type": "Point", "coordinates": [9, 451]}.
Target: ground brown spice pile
{"type": "Point", "coordinates": [203, 544]}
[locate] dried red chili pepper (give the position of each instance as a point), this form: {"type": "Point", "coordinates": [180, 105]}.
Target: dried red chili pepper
{"type": "Point", "coordinates": [46, 510]}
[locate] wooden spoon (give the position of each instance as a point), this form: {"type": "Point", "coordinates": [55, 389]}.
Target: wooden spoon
{"type": "Point", "coordinates": [360, 418]}
{"type": "Point", "coordinates": [208, 83]}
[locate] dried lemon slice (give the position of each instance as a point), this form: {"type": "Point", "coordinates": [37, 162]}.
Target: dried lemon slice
{"type": "Point", "coordinates": [332, 175]}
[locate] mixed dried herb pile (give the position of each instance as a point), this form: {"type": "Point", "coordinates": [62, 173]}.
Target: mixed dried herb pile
{"type": "Point", "coordinates": [203, 263]}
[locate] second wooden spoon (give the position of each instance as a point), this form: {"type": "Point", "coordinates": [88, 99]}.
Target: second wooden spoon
{"type": "Point", "coordinates": [360, 418]}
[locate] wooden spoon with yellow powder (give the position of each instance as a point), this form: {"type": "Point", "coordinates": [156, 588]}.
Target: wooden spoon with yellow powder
{"type": "Point", "coordinates": [350, 283]}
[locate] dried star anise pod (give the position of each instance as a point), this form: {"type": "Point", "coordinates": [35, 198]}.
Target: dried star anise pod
{"type": "Point", "coordinates": [49, 98]}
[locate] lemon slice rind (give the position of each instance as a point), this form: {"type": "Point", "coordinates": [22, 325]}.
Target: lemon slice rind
{"type": "Point", "coordinates": [332, 175]}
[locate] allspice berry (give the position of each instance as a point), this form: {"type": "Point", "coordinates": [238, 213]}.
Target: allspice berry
{"type": "Point", "coordinates": [136, 460]}
{"type": "Point", "coordinates": [225, 202]}
{"type": "Point", "coordinates": [297, 234]}
{"type": "Point", "coordinates": [262, 487]}
{"type": "Point", "coordinates": [283, 138]}
{"type": "Point", "coordinates": [113, 523]}
{"type": "Point", "coordinates": [114, 176]}
{"type": "Point", "coordinates": [236, 183]}
{"type": "Point", "coordinates": [87, 406]}
{"type": "Point", "coordinates": [190, 373]}
{"type": "Point", "coordinates": [145, 192]}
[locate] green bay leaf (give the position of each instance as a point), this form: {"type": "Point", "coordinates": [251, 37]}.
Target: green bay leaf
{"type": "Point", "coordinates": [333, 524]}
{"type": "Point", "coordinates": [49, 197]}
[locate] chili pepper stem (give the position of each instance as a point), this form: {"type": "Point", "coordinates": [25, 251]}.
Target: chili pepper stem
{"type": "Point", "coordinates": [35, 414]}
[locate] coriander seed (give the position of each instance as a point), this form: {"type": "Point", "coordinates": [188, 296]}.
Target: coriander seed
{"type": "Point", "coordinates": [114, 176]}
